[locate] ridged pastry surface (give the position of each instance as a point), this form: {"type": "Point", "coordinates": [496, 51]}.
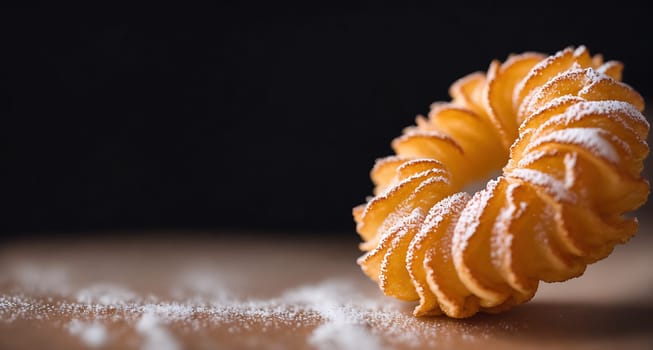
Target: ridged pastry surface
{"type": "Point", "coordinates": [568, 138]}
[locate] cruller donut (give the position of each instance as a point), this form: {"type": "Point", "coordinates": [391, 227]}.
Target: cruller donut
{"type": "Point", "coordinates": [571, 140]}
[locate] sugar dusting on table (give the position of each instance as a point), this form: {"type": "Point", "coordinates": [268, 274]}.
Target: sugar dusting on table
{"type": "Point", "coordinates": [332, 313]}
{"type": "Point", "coordinates": [91, 334]}
{"type": "Point", "coordinates": [155, 335]}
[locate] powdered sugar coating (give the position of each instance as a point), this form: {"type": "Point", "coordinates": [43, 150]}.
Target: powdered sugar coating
{"type": "Point", "coordinates": [621, 112]}
{"type": "Point", "coordinates": [548, 183]}
{"type": "Point", "coordinates": [470, 216]}
{"type": "Point", "coordinates": [590, 139]}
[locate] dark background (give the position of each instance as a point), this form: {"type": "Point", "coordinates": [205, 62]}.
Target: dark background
{"type": "Point", "coordinates": [245, 117]}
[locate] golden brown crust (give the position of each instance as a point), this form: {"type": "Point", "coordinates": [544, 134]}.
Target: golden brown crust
{"type": "Point", "coordinates": [573, 138]}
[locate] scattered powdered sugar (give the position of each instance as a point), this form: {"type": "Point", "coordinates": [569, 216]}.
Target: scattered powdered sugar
{"type": "Point", "coordinates": [470, 216]}
{"type": "Point", "coordinates": [535, 156]}
{"type": "Point", "coordinates": [353, 320]}
{"type": "Point", "coordinates": [547, 180]}
{"type": "Point", "coordinates": [594, 76]}
{"type": "Point", "coordinates": [550, 184]}
{"type": "Point", "coordinates": [580, 50]}
{"type": "Point", "coordinates": [344, 327]}
{"type": "Point", "coordinates": [589, 76]}
{"type": "Point", "coordinates": [431, 179]}
{"type": "Point", "coordinates": [433, 163]}
{"type": "Point", "coordinates": [570, 166]}
{"type": "Point", "coordinates": [501, 239]}
{"type": "Point", "coordinates": [555, 105]}
{"type": "Point", "coordinates": [608, 108]}
{"type": "Point", "coordinates": [604, 68]}
{"type": "Point", "coordinates": [344, 336]}
{"type": "Point", "coordinates": [536, 72]}
{"type": "Point", "coordinates": [588, 138]}
{"type": "Point", "coordinates": [455, 202]}
{"type": "Point", "coordinates": [621, 112]}
{"type": "Point", "coordinates": [92, 334]}
{"type": "Point", "coordinates": [336, 314]}
{"type": "Point", "coordinates": [623, 145]}
{"type": "Point", "coordinates": [412, 224]}
{"type": "Point", "coordinates": [436, 215]}
{"type": "Point", "coordinates": [395, 189]}
{"type": "Point", "coordinates": [155, 336]}
{"type": "Point", "coordinates": [412, 185]}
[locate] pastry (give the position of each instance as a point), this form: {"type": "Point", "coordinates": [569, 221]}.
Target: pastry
{"type": "Point", "coordinates": [567, 140]}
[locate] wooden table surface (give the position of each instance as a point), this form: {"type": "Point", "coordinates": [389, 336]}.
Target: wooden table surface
{"type": "Point", "coordinates": [189, 290]}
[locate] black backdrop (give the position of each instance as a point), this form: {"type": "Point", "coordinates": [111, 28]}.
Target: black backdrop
{"type": "Point", "coordinates": [245, 117]}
